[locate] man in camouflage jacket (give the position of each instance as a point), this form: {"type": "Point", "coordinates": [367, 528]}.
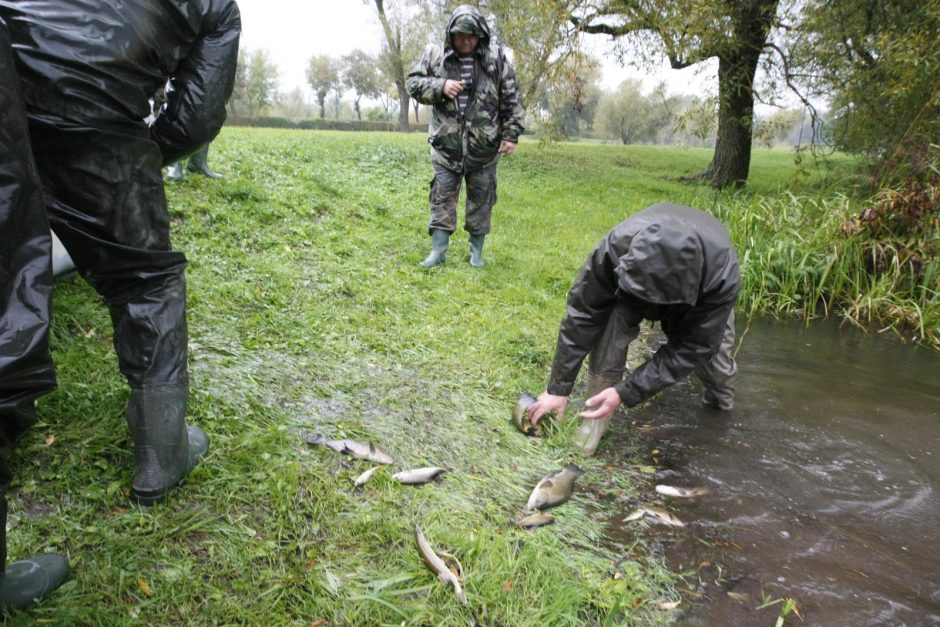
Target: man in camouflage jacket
{"type": "Point", "coordinates": [476, 117]}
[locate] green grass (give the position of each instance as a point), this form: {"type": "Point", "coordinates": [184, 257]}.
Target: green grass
{"type": "Point", "coordinates": [309, 313]}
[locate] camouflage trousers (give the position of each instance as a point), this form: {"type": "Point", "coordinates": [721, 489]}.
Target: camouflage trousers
{"type": "Point", "coordinates": [718, 375]}
{"type": "Point", "coordinates": [481, 196]}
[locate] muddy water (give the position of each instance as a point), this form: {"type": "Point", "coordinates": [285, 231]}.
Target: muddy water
{"type": "Point", "coordinates": [825, 482]}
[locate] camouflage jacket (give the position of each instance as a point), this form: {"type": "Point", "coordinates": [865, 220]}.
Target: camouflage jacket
{"type": "Point", "coordinates": [493, 112]}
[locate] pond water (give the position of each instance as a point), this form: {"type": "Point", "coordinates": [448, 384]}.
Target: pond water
{"type": "Point", "coordinates": [823, 481]}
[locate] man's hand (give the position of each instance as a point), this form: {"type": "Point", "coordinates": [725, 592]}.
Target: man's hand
{"type": "Point", "coordinates": [545, 403]}
{"type": "Point", "coordinates": [507, 148]}
{"type": "Point", "coordinates": [602, 404]}
{"type": "Point", "coordinates": [452, 88]}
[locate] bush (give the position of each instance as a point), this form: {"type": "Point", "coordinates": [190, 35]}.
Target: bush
{"type": "Point", "coordinates": [320, 124]}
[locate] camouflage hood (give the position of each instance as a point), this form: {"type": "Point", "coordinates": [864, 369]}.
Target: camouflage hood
{"type": "Point", "coordinates": [467, 19]}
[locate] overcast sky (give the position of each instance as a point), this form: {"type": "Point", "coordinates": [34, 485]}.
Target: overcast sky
{"type": "Point", "coordinates": [292, 31]}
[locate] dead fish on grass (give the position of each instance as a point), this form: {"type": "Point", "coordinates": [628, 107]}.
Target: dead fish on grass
{"type": "Point", "coordinates": [534, 521]}
{"type": "Point", "coordinates": [361, 479]}
{"type": "Point", "coordinates": [418, 475]}
{"type": "Point", "coordinates": [681, 493]}
{"type": "Point", "coordinates": [437, 565]}
{"type": "Point", "coordinates": [354, 448]}
{"type": "Point", "coordinates": [520, 416]}
{"type": "Point", "coordinates": [554, 488]}
{"type": "Point", "coordinates": [655, 516]}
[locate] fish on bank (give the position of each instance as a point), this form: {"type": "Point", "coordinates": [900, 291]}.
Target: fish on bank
{"type": "Point", "coordinates": [655, 516]}
{"type": "Point", "coordinates": [354, 448]}
{"type": "Point", "coordinates": [681, 493]}
{"type": "Point", "coordinates": [437, 565]}
{"type": "Point", "coordinates": [417, 476]}
{"type": "Point", "coordinates": [361, 479]}
{"type": "Point", "coordinates": [554, 488]}
{"type": "Point", "coordinates": [520, 416]}
{"type": "Point", "coordinates": [534, 521]}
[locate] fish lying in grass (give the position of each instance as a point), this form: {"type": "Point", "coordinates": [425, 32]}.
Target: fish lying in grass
{"type": "Point", "coordinates": [534, 521]}
{"type": "Point", "coordinates": [437, 565]}
{"type": "Point", "coordinates": [418, 475]}
{"type": "Point", "coordinates": [554, 489]}
{"type": "Point", "coordinates": [361, 479]}
{"type": "Point", "coordinates": [354, 448]}
{"type": "Point", "coordinates": [520, 416]}
{"type": "Point", "coordinates": [655, 516]}
{"type": "Point", "coordinates": [681, 493]}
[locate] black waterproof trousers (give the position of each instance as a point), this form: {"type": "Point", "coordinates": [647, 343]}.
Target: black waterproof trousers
{"type": "Point", "coordinates": [26, 370]}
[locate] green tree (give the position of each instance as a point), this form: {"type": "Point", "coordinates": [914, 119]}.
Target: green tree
{"type": "Point", "coordinates": [629, 115]}
{"type": "Point", "coordinates": [360, 75]}
{"type": "Point", "coordinates": [879, 63]}
{"type": "Point", "coordinates": [256, 79]}
{"type": "Point", "coordinates": [735, 33]}
{"type": "Point", "coordinates": [323, 77]}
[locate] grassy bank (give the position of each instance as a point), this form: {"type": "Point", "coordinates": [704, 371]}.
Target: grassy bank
{"type": "Point", "coordinates": [309, 313]}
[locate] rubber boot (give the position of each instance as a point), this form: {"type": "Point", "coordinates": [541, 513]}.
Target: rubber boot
{"type": "Point", "coordinates": [590, 432]}
{"type": "Point", "coordinates": [476, 250]}
{"type": "Point", "coordinates": [165, 449]}
{"type": "Point", "coordinates": [440, 240]}
{"type": "Point", "coordinates": [24, 581]}
{"type": "Point", "coordinates": [198, 163]}
{"type": "Point", "coordinates": [176, 172]}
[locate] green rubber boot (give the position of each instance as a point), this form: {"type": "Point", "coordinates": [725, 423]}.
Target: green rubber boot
{"type": "Point", "coordinates": [440, 240]}
{"type": "Point", "coordinates": [165, 449]}
{"type": "Point", "coordinates": [476, 250]}
{"type": "Point", "coordinates": [199, 164]}
{"type": "Point", "coordinates": [589, 433]}
{"type": "Point", "coordinates": [176, 172]}
{"type": "Point", "coordinates": [24, 581]}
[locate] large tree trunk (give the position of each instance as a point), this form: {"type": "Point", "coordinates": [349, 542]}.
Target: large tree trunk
{"type": "Point", "coordinates": [732, 159]}
{"type": "Point", "coordinates": [404, 101]}
{"type": "Point", "coordinates": [417, 106]}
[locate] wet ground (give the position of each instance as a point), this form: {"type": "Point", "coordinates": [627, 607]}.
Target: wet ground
{"type": "Point", "coordinates": [823, 482]}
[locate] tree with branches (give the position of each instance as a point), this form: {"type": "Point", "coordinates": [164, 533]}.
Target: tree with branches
{"type": "Point", "coordinates": [323, 77]}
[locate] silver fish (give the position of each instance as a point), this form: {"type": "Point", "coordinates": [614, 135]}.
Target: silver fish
{"type": "Point", "coordinates": [681, 493]}
{"type": "Point", "coordinates": [418, 475]}
{"type": "Point", "coordinates": [655, 516]}
{"type": "Point", "coordinates": [437, 565]}
{"type": "Point", "coordinates": [533, 521]}
{"type": "Point", "coordinates": [354, 448]}
{"type": "Point", "coordinates": [554, 489]}
{"type": "Point", "coordinates": [520, 417]}
{"type": "Point", "coordinates": [361, 479]}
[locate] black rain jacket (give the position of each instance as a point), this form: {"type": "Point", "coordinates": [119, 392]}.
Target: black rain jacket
{"type": "Point", "coordinates": [96, 63]}
{"type": "Point", "coordinates": [668, 261]}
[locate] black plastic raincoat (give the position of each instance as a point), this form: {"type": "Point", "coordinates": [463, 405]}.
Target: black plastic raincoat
{"type": "Point", "coordinates": [669, 263]}
{"type": "Point", "coordinates": [85, 71]}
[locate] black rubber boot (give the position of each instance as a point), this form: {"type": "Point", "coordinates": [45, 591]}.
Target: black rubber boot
{"type": "Point", "coordinates": [199, 163]}
{"type": "Point", "coordinates": [165, 449]}
{"type": "Point", "coordinates": [440, 241]}
{"type": "Point", "coordinates": [24, 581]}
{"type": "Point", "coordinates": [476, 250]}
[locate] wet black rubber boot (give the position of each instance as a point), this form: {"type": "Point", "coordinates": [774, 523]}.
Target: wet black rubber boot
{"type": "Point", "coordinates": [165, 449]}
{"type": "Point", "coordinates": [476, 250]}
{"type": "Point", "coordinates": [198, 163]}
{"type": "Point", "coordinates": [440, 241]}
{"type": "Point", "coordinates": [24, 581]}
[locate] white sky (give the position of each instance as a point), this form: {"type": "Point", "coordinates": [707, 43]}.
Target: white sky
{"type": "Point", "coordinates": [292, 31]}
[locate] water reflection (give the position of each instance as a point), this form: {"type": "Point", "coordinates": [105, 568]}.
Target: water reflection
{"type": "Point", "coordinates": [824, 479]}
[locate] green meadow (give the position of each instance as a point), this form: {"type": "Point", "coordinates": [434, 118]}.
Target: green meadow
{"type": "Point", "coordinates": [308, 313]}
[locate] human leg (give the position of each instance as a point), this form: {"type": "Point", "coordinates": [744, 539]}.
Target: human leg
{"type": "Point", "coordinates": [445, 188]}
{"type": "Point", "coordinates": [606, 365]}
{"type": "Point", "coordinates": [107, 205]}
{"type": "Point", "coordinates": [26, 370]}
{"type": "Point", "coordinates": [481, 196]}
{"type": "Point", "coordinates": [719, 374]}
{"type": "Point", "coordinates": [199, 163]}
